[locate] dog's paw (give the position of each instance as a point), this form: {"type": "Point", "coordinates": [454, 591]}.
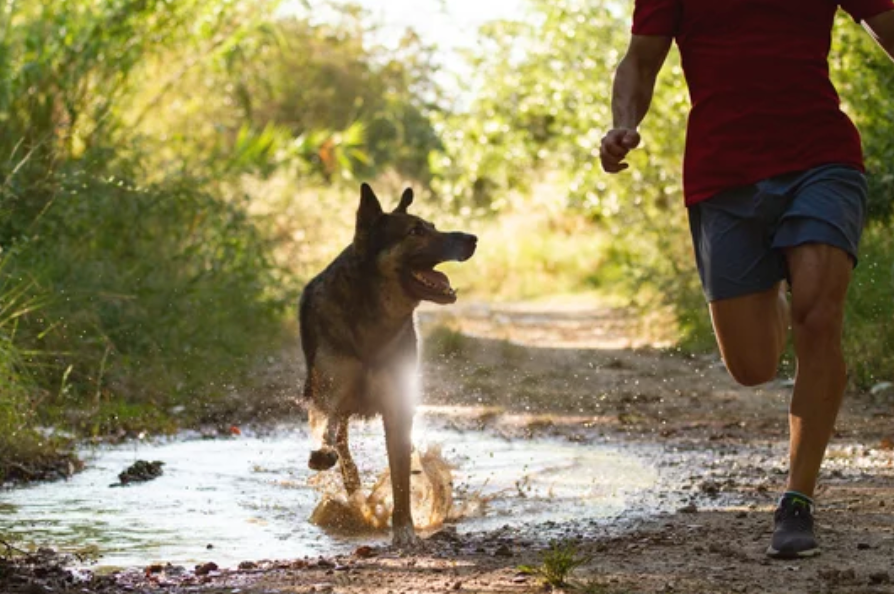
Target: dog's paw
{"type": "Point", "coordinates": [404, 537]}
{"type": "Point", "coordinates": [322, 459]}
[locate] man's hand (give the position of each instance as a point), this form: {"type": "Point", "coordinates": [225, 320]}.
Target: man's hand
{"type": "Point", "coordinates": [615, 146]}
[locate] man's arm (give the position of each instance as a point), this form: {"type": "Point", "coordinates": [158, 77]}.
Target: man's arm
{"type": "Point", "coordinates": [631, 97]}
{"type": "Point", "coordinates": [881, 27]}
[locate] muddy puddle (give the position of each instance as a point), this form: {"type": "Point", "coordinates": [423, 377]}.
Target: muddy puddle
{"type": "Point", "coordinates": [251, 497]}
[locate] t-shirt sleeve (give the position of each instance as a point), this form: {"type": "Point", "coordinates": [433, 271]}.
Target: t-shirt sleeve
{"type": "Point", "coordinates": [861, 10]}
{"type": "Point", "coordinates": [662, 17]}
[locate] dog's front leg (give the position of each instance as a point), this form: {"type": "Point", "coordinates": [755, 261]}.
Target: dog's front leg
{"type": "Point", "coordinates": [323, 429]}
{"type": "Point", "coordinates": [398, 430]}
{"type": "Point", "coordinates": [349, 473]}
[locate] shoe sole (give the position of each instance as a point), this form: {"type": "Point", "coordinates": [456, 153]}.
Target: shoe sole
{"type": "Point", "coordinates": [771, 552]}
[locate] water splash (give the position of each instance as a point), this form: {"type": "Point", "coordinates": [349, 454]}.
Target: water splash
{"type": "Point", "coordinates": [431, 498]}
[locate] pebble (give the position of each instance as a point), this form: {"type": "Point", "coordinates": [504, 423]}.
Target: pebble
{"type": "Point", "coordinates": [206, 568]}
{"type": "Point", "coordinates": [503, 551]}
{"type": "Point", "coordinates": [879, 577]}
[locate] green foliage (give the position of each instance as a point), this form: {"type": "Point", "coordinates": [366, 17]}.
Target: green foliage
{"type": "Point", "coordinates": [558, 563]}
{"type": "Point", "coordinates": [864, 77]}
{"type": "Point", "coordinates": [140, 140]}
{"type": "Point", "coordinates": [315, 95]}
{"type": "Point", "coordinates": [153, 289]}
{"type": "Point", "coordinates": [540, 103]}
{"type": "Point", "coordinates": [869, 325]}
{"type": "Point", "coordinates": [18, 438]}
{"type": "Point", "coordinates": [163, 288]}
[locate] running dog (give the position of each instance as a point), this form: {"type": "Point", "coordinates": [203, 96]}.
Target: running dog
{"type": "Point", "coordinates": [359, 338]}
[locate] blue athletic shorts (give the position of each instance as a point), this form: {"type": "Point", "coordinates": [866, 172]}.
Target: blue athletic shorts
{"type": "Point", "coordinates": [739, 234]}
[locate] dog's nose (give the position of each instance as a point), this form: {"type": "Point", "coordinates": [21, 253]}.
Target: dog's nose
{"type": "Point", "coordinates": [471, 243]}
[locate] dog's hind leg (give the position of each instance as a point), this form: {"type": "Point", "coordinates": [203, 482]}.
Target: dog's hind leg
{"type": "Point", "coordinates": [349, 472]}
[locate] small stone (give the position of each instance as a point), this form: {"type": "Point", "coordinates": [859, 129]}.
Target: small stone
{"type": "Point", "coordinates": [503, 551]}
{"type": "Point", "coordinates": [174, 570]}
{"type": "Point", "coordinates": [206, 568]}
{"type": "Point", "coordinates": [248, 565]}
{"type": "Point", "coordinates": [863, 546]}
{"type": "Point", "coordinates": [365, 552]}
{"type": "Point", "coordinates": [688, 509]}
{"type": "Point", "coordinates": [456, 586]}
{"type": "Point", "coordinates": [879, 577]}
{"type": "Point", "coordinates": [710, 488]}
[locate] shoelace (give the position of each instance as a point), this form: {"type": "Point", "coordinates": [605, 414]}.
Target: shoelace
{"type": "Point", "coordinates": [795, 515]}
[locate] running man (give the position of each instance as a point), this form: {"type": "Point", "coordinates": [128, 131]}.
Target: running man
{"type": "Point", "coordinates": [774, 185]}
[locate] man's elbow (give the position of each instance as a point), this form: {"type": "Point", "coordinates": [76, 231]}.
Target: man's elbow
{"type": "Point", "coordinates": [881, 27]}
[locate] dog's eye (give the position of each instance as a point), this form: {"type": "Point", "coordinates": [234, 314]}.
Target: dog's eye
{"type": "Point", "coordinates": [417, 230]}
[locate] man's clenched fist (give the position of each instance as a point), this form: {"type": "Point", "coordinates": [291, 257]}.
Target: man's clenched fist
{"type": "Point", "coordinates": [615, 146]}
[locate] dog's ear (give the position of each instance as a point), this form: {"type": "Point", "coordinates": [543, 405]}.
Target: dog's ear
{"type": "Point", "coordinates": [367, 214]}
{"type": "Point", "coordinates": [370, 209]}
{"type": "Point", "coordinates": [405, 201]}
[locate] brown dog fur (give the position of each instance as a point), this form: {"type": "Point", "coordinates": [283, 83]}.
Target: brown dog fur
{"type": "Point", "coordinates": [359, 338]}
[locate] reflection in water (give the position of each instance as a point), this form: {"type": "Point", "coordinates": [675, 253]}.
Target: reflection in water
{"type": "Point", "coordinates": [252, 497]}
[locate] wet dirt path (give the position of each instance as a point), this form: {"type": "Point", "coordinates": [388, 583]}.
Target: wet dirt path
{"type": "Point", "coordinates": [580, 374]}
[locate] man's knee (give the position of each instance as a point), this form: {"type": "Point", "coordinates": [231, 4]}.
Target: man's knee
{"type": "Point", "coordinates": [752, 372]}
{"type": "Point", "coordinates": [818, 325]}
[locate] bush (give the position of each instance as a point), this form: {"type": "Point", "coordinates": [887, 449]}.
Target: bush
{"type": "Point", "coordinates": [869, 321]}
{"type": "Point", "coordinates": [159, 293]}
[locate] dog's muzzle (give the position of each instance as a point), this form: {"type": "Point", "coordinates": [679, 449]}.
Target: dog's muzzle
{"type": "Point", "coordinates": [462, 246]}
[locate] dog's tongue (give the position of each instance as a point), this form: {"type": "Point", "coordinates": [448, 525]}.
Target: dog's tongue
{"type": "Point", "coordinates": [435, 278]}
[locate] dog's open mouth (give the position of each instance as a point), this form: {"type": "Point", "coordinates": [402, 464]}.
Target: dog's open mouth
{"type": "Point", "coordinates": [431, 285]}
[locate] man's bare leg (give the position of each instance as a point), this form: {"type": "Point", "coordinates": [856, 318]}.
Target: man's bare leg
{"type": "Point", "coordinates": [820, 275]}
{"type": "Point", "coordinates": [751, 333]}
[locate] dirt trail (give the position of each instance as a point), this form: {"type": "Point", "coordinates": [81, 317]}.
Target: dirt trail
{"type": "Point", "coordinates": [581, 374]}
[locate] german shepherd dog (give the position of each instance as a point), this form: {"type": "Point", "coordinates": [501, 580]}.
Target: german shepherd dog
{"type": "Point", "coordinates": [359, 338]}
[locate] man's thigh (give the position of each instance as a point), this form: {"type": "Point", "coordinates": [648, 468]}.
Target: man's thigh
{"type": "Point", "coordinates": [742, 239]}
{"type": "Point", "coordinates": [828, 207]}
{"type": "Point", "coordinates": [751, 332]}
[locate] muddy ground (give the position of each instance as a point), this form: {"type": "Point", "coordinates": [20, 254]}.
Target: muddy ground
{"type": "Point", "coordinates": [592, 376]}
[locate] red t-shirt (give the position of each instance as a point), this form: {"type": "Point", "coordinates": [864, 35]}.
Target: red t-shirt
{"type": "Point", "coordinates": [758, 76]}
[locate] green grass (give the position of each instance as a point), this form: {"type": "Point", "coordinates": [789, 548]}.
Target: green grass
{"type": "Point", "coordinates": [21, 446]}
{"type": "Point", "coordinates": [445, 342]}
{"type": "Point", "coordinates": [557, 564]}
